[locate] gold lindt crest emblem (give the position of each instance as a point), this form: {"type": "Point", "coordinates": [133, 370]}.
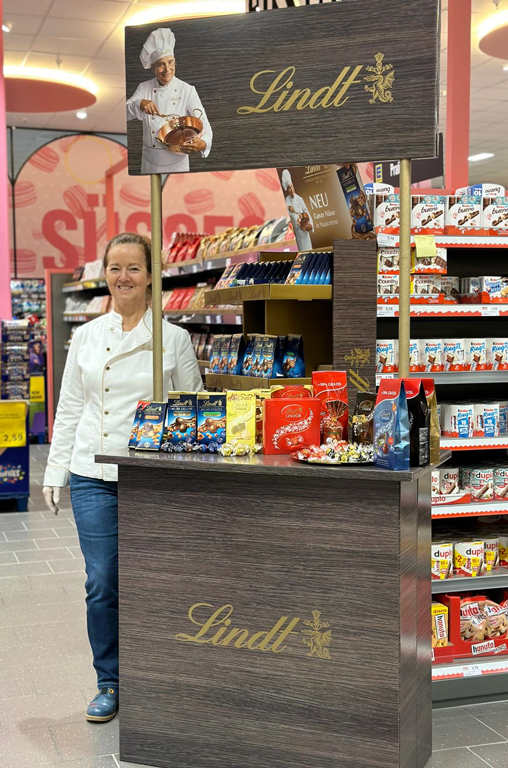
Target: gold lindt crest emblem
{"type": "Point", "coordinates": [358, 357]}
{"type": "Point", "coordinates": [317, 639]}
{"type": "Point", "coordinates": [382, 80]}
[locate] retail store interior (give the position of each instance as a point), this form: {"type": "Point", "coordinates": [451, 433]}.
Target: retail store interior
{"type": "Point", "coordinates": [309, 336]}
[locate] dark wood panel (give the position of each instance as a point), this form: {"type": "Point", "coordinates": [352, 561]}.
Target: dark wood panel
{"type": "Point", "coordinates": [268, 553]}
{"type": "Point", "coordinates": [220, 56]}
{"type": "Point", "coordinates": [355, 314]}
{"type": "Point", "coordinates": [424, 598]}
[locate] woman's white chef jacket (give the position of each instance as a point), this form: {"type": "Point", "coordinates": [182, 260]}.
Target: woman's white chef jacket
{"type": "Point", "coordinates": [104, 378]}
{"type": "Point", "coordinates": [303, 239]}
{"type": "Point", "coordinates": [175, 98]}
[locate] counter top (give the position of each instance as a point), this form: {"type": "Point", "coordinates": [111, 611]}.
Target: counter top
{"type": "Point", "coordinates": [261, 464]}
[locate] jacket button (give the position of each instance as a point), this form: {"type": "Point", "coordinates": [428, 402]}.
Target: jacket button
{"type": "Point", "coordinates": [108, 349]}
{"type": "Point", "coordinates": [107, 368]}
{"type": "Point", "coordinates": [105, 434]}
{"type": "Point", "coordinates": [107, 389]}
{"type": "Point", "coordinates": [106, 413]}
{"type": "Point", "coordinates": [112, 328]}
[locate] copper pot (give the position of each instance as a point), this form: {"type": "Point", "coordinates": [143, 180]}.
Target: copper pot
{"type": "Point", "coordinates": [178, 130]}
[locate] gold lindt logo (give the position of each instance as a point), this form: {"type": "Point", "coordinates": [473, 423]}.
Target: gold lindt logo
{"type": "Point", "coordinates": [215, 628]}
{"type": "Point", "coordinates": [277, 92]}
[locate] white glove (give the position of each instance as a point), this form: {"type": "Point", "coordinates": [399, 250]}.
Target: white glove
{"type": "Point", "coordinates": [51, 497]}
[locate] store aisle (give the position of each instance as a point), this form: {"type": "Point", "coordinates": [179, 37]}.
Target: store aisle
{"type": "Point", "coordinates": [46, 676]}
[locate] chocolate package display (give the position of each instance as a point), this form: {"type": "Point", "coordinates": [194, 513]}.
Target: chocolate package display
{"type": "Point", "coordinates": [271, 366]}
{"type": "Point", "coordinates": [419, 422]}
{"type": "Point", "coordinates": [236, 354]}
{"type": "Point", "coordinates": [261, 396]}
{"type": "Point", "coordinates": [391, 426]}
{"type": "Point", "coordinates": [180, 424]}
{"type": "Point", "coordinates": [211, 421]}
{"type": "Point", "coordinates": [257, 355]}
{"type": "Point", "coordinates": [427, 214]}
{"type": "Point", "coordinates": [363, 418]}
{"type": "Point", "coordinates": [248, 357]}
{"type": "Point", "coordinates": [293, 362]}
{"type": "Point", "coordinates": [215, 353]}
{"type": "Point", "coordinates": [434, 426]}
{"type": "Point", "coordinates": [224, 354]}
{"type": "Point", "coordinates": [146, 433]}
{"type": "Point", "coordinates": [331, 389]}
{"type": "Point", "coordinates": [290, 424]}
{"type": "Point", "coordinates": [292, 390]}
{"type": "Point", "coordinates": [241, 417]}
{"type": "Point", "coordinates": [356, 200]}
{"type": "Point", "coordinates": [439, 613]}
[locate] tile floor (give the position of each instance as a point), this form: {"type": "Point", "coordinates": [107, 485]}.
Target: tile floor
{"type": "Point", "coordinates": [46, 674]}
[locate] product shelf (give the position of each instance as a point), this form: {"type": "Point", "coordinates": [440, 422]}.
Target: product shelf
{"type": "Point", "coordinates": [268, 292]}
{"type": "Point", "coordinates": [225, 381]}
{"type": "Point", "coordinates": [450, 241]}
{"type": "Point", "coordinates": [232, 317]}
{"type": "Point", "coordinates": [446, 310]}
{"type": "Point", "coordinates": [476, 443]}
{"type": "Point", "coordinates": [486, 666]}
{"type": "Point", "coordinates": [204, 365]}
{"type": "Point", "coordinates": [497, 579]}
{"type": "Point", "coordinates": [495, 507]}
{"type": "Point", "coordinates": [83, 285]}
{"type": "Point", "coordinates": [80, 317]}
{"type": "Point", "coordinates": [454, 377]}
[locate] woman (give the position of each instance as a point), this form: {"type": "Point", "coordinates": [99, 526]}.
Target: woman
{"type": "Point", "coordinates": [109, 368]}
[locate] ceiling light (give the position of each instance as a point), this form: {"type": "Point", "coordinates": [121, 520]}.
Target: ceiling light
{"type": "Point", "coordinates": [7, 26]}
{"type": "Point", "coordinates": [180, 10]}
{"type": "Point", "coordinates": [505, 68]}
{"type": "Point", "coordinates": [480, 156]}
{"type": "Point", "coordinates": [52, 76]}
{"type": "Point", "coordinates": [492, 34]}
{"type": "Point", "coordinates": [82, 115]}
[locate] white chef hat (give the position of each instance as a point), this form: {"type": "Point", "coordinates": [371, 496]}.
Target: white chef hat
{"type": "Point", "coordinates": [286, 179]}
{"type": "Point", "coordinates": [159, 43]}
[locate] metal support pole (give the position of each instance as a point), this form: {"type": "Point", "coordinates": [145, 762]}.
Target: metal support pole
{"type": "Point", "coordinates": [156, 200]}
{"type": "Point", "coordinates": [404, 267]}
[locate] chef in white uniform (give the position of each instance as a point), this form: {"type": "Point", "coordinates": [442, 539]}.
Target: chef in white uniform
{"type": "Point", "coordinates": [296, 206]}
{"type": "Point", "coordinates": [165, 94]}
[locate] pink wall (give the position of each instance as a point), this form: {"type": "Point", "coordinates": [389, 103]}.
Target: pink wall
{"type": "Point", "coordinates": [5, 294]}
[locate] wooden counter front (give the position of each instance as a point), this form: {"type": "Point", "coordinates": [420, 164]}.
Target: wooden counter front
{"type": "Point", "coordinates": [273, 614]}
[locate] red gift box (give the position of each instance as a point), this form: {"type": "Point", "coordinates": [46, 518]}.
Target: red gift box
{"type": "Point", "coordinates": [290, 424]}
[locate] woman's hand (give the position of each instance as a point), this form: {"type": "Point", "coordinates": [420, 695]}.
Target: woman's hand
{"type": "Point", "coordinates": [193, 145]}
{"type": "Point", "coordinates": [51, 497]}
{"type": "Point", "coordinates": [148, 107]}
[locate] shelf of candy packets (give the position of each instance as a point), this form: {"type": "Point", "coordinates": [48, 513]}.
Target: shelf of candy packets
{"type": "Point", "coordinates": [438, 355]}
{"type": "Point", "coordinates": [305, 269]}
{"type": "Point", "coordinates": [262, 356]}
{"type": "Point", "coordinates": [480, 209]}
{"type": "Point", "coordinates": [465, 626]}
{"type": "Point", "coordinates": [21, 355]}
{"type": "Point", "coordinates": [480, 483]}
{"type": "Point", "coordinates": [28, 298]}
{"type": "Point", "coordinates": [441, 288]}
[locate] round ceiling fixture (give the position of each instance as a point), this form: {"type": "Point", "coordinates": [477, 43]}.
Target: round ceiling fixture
{"type": "Point", "coordinates": [493, 35]}
{"type": "Point", "coordinates": [186, 9]}
{"type": "Point", "coordinates": [30, 89]}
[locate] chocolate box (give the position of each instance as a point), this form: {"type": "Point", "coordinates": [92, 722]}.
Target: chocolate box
{"type": "Point", "coordinates": [211, 420]}
{"type": "Point", "coordinates": [241, 417]}
{"type": "Point", "coordinates": [180, 424]}
{"type": "Point", "coordinates": [150, 426]}
{"type": "Point", "coordinates": [290, 424]}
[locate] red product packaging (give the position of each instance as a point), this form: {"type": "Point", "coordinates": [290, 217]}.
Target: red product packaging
{"type": "Point", "coordinates": [188, 294]}
{"type": "Point", "coordinates": [176, 299]}
{"type": "Point", "coordinates": [331, 388]}
{"type": "Point", "coordinates": [290, 424]}
{"type": "Point", "coordinates": [292, 391]}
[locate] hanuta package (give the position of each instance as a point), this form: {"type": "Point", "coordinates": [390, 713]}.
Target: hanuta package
{"type": "Point", "coordinates": [439, 614]}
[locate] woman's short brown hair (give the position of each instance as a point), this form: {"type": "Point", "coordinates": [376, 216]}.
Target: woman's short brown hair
{"type": "Point", "coordinates": [130, 238]}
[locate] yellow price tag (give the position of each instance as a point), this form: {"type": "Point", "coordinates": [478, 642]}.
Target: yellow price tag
{"type": "Point", "coordinates": [425, 246]}
{"type": "Point", "coordinates": [12, 424]}
{"type": "Point", "coordinates": [37, 389]}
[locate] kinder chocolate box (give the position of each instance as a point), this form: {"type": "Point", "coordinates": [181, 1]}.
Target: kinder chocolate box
{"type": "Point", "coordinates": [476, 354]}
{"type": "Point", "coordinates": [386, 214]}
{"type": "Point", "coordinates": [427, 214]}
{"type": "Point", "coordinates": [180, 423]}
{"type": "Point", "coordinates": [463, 213]}
{"type": "Point", "coordinates": [211, 420]}
{"type": "Point", "coordinates": [497, 354]}
{"type": "Point", "coordinates": [386, 356]}
{"type": "Point", "coordinates": [486, 190]}
{"type": "Point", "coordinates": [495, 214]}
{"type": "Point", "coordinates": [486, 420]}
{"type": "Point", "coordinates": [388, 261]}
{"type": "Point", "coordinates": [388, 285]}
{"type": "Point", "coordinates": [432, 359]}
{"type": "Point", "coordinates": [291, 424]}
{"type": "Point", "coordinates": [450, 286]}
{"type": "Point", "coordinates": [458, 420]}
{"type": "Point", "coordinates": [425, 285]}
{"type": "Point", "coordinates": [454, 354]}
{"type": "Point", "coordinates": [503, 417]}
{"type": "Point", "coordinates": [430, 265]}
{"type": "Point", "coordinates": [415, 364]}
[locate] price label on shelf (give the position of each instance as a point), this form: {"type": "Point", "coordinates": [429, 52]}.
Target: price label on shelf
{"type": "Point", "coordinates": [12, 424]}
{"type": "Point", "coordinates": [387, 310]}
{"type": "Point", "coordinates": [473, 670]}
{"type": "Point", "coordinates": [490, 311]}
{"type": "Point", "coordinates": [208, 319]}
{"type": "Point", "coordinates": [387, 241]}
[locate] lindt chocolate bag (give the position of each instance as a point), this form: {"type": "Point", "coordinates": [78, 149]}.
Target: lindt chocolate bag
{"type": "Point", "coordinates": [272, 357]}
{"type": "Point", "coordinates": [224, 354]}
{"type": "Point", "coordinates": [248, 358]}
{"type": "Point", "coordinates": [215, 353]}
{"type": "Point", "coordinates": [293, 362]}
{"type": "Point", "coordinates": [391, 426]}
{"type": "Point", "coordinates": [363, 419]}
{"type": "Point", "coordinates": [435, 427]}
{"type": "Point", "coordinates": [331, 388]}
{"type": "Point", "coordinates": [236, 354]}
{"type": "Point", "coordinates": [419, 422]}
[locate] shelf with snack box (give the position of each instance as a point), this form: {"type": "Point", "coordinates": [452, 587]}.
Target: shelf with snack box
{"type": "Point", "coordinates": [453, 377]}
{"type": "Point", "coordinates": [476, 443]}
{"type": "Point", "coordinates": [491, 665]}
{"type": "Point", "coordinates": [268, 292]}
{"type": "Point", "coordinates": [451, 241]}
{"type": "Point", "coordinates": [444, 507]}
{"type": "Point", "coordinates": [246, 383]}
{"type": "Point", "coordinates": [446, 310]}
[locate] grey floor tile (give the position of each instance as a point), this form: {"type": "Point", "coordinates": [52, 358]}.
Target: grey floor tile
{"type": "Point", "coordinates": [61, 634]}
{"type": "Point", "coordinates": [23, 569]}
{"type": "Point", "coordinates": [39, 555]}
{"type": "Point", "coordinates": [14, 584]}
{"type": "Point", "coordinates": [495, 755]}
{"type": "Point", "coordinates": [46, 533]}
{"type": "Point", "coordinates": [454, 758]}
{"type": "Point", "coordinates": [66, 566]}
{"type": "Point", "coordinates": [28, 749]}
{"type": "Point", "coordinates": [76, 551]}
{"type": "Point", "coordinates": [123, 764]}
{"type": "Point", "coordinates": [16, 546]}
{"type": "Point", "coordinates": [46, 710]}
{"type": "Point", "coordinates": [23, 516]}
{"type": "Point", "coordinates": [7, 558]}
{"type": "Point", "coordinates": [462, 730]}
{"type": "Point", "coordinates": [15, 683]}
{"type": "Point", "coordinates": [106, 761]}
{"type": "Point", "coordinates": [57, 677]}
{"type": "Point", "coordinates": [66, 541]}
{"type": "Point", "coordinates": [11, 525]}
{"type": "Point", "coordinates": [42, 614]}
{"type": "Point", "coordinates": [31, 599]}
{"type": "Point", "coordinates": [498, 721]}
{"type": "Point", "coordinates": [75, 591]}
{"type": "Point", "coordinates": [8, 637]}
{"type": "Point", "coordinates": [56, 524]}
{"type": "Point", "coordinates": [29, 656]}
{"type": "Point", "coordinates": [491, 708]}
{"type": "Point", "coordinates": [50, 581]}
{"type": "Point", "coordinates": [82, 739]}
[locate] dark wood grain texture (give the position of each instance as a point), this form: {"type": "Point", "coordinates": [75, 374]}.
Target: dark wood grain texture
{"type": "Point", "coordinates": [355, 314]}
{"type": "Point", "coordinates": [424, 598]}
{"type": "Point", "coordinates": [268, 552]}
{"type": "Point", "coordinates": [219, 56]}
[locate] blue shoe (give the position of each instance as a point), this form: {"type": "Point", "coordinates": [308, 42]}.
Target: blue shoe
{"type": "Point", "coordinates": [104, 706]}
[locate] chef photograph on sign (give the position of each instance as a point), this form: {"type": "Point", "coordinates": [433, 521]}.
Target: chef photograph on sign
{"type": "Point", "coordinates": [299, 214]}
{"type": "Point", "coordinates": [175, 125]}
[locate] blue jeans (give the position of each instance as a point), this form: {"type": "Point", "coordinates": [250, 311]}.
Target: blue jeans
{"type": "Point", "coordinates": [95, 507]}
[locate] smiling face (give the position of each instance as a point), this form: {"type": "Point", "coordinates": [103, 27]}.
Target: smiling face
{"type": "Point", "coordinates": [127, 277]}
{"type": "Point", "coordinates": [164, 69]}
{"type": "Point", "coordinates": [291, 190]}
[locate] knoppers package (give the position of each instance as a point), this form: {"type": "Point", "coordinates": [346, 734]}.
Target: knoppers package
{"type": "Point", "coordinates": [331, 388]}
{"type": "Point", "coordinates": [391, 426]}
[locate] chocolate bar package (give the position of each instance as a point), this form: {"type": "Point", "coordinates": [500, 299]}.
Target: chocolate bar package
{"type": "Point", "coordinates": [261, 396]}
{"type": "Point", "coordinates": [331, 388]}
{"type": "Point", "coordinates": [224, 354]}
{"type": "Point", "coordinates": [150, 426]}
{"type": "Point", "coordinates": [133, 440]}
{"type": "Point", "coordinates": [241, 417]}
{"type": "Point", "coordinates": [293, 361]}
{"type": "Point", "coordinates": [290, 424]}
{"type": "Point", "coordinates": [257, 355]}
{"type": "Point", "coordinates": [248, 357]}
{"type": "Point", "coordinates": [419, 422]}
{"type": "Point", "coordinates": [211, 420]}
{"type": "Point", "coordinates": [180, 424]}
{"type": "Point", "coordinates": [215, 353]}
{"type": "Point", "coordinates": [356, 201]}
{"type": "Point", "coordinates": [391, 426]}
{"type": "Point", "coordinates": [435, 426]}
{"type": "Point", "coordinates": [363, 418]}
{"type": "Point", "coordinates": [292, 390]}
{"type": "Point", "coordinates": [236, 354]}
{"type": "Point", "coordinates": [272, 357]}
